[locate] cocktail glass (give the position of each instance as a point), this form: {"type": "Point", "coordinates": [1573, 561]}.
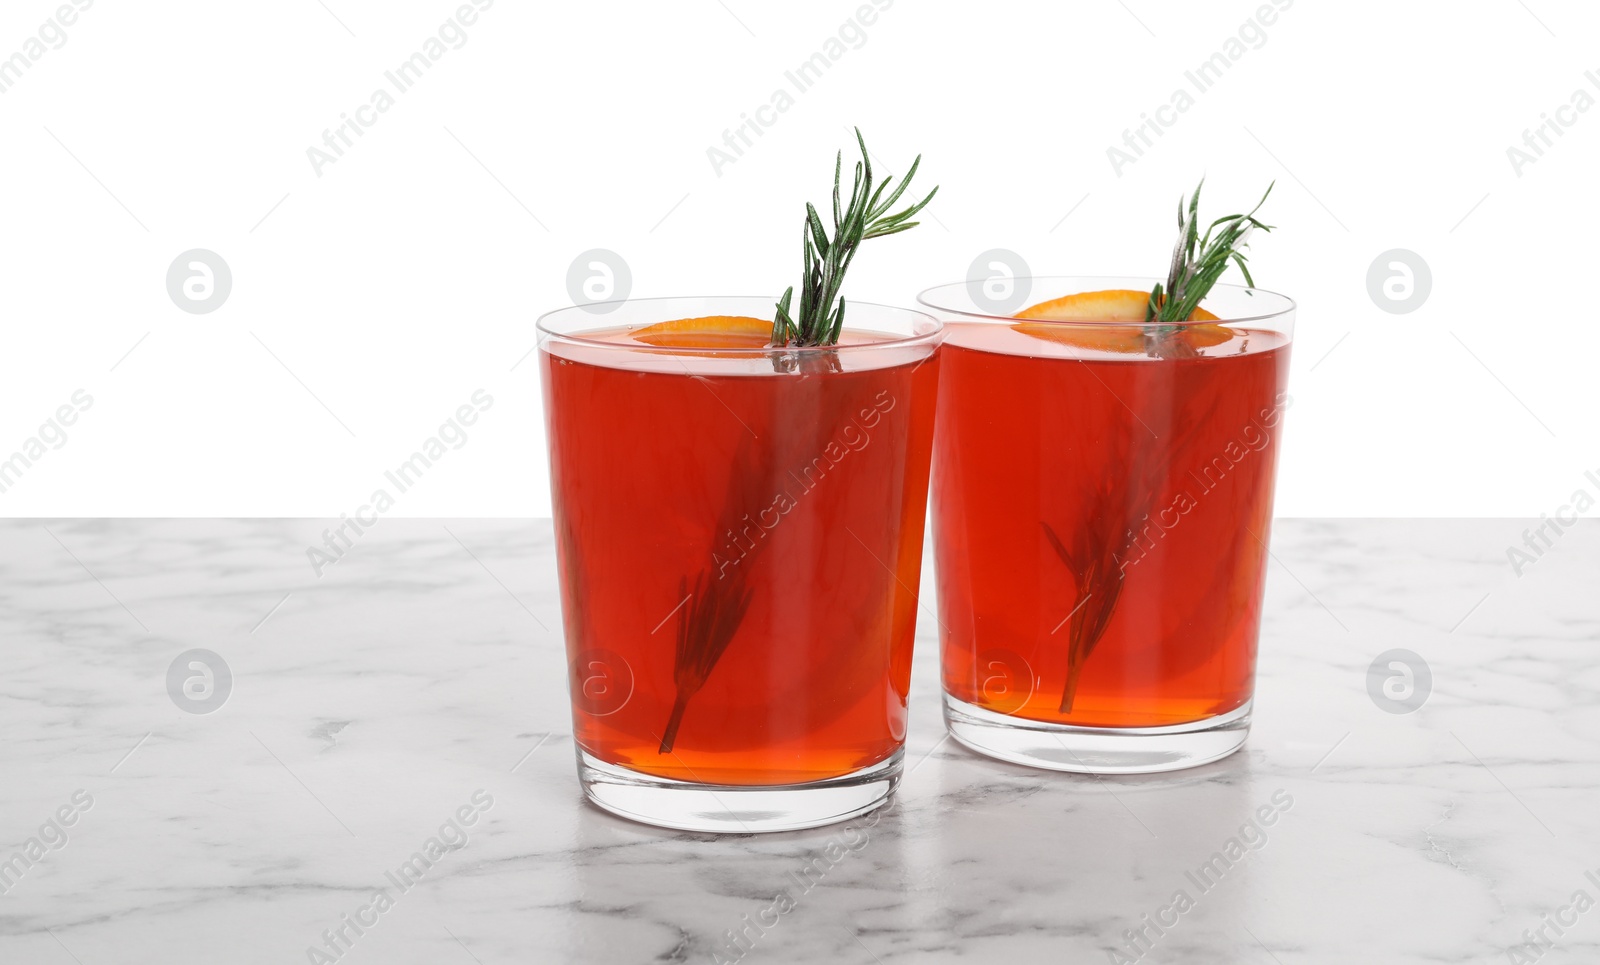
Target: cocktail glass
{"type": "Point", "coordinates": [739, 536]}
{"type": "Point", "coordinates": [1102, 499]}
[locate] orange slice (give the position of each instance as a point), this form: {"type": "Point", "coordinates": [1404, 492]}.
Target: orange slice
{"type": "Point", "coordinates": [708, 331]}
{"type": "Point", "coordinates": [1112, 305]}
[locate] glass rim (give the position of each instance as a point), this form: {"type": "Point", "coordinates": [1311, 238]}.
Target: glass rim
{"type": "Point", "coordinates": [925, 298]}
{"type": "Point", "coordinates": [930, 337]}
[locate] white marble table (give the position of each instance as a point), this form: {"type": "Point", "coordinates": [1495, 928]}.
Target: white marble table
{"type": "Point", "coordinates": [372, 702]}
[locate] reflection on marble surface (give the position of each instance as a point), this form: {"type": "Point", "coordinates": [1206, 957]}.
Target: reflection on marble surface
{"type": "Point", "coordinates": [420, 681]}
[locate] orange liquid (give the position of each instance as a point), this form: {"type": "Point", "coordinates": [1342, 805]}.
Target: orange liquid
{"type": "Point", "coordinates": [1155, 478]}
{"type": "Point", "coordinates": [778, 513]}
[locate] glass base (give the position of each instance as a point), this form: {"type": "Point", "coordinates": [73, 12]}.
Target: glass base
{"type": "Point", "coordinates": [733, 808]}
{"type": "Point", "coordinates": [1096, 750]}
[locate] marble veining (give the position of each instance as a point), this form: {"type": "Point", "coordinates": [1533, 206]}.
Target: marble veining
{"type": "Point", "coordinates": [422, 676]}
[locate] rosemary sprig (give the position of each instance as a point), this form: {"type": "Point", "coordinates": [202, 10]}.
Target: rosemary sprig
{"type": "Point", "coordinates": [1197, 262]}
{"type": "Point", "coordinates": [1097, 550]}
{"type": "Point", "coordinates": [716, 602]}
{"type": "Point", "coordinates": [819, 321]}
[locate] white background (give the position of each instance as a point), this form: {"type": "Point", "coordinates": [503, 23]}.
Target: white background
{"type": "Point", "coordinates": [410, 272]}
